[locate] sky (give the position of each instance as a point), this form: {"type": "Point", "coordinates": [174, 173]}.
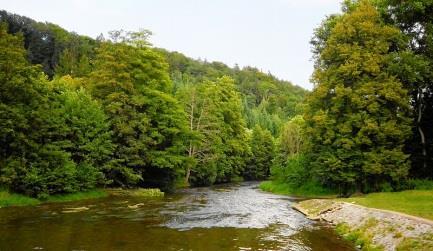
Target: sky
{"type": "Point", "coordinates": [272, 35]}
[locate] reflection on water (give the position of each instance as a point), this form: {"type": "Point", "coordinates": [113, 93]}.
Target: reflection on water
{"type": "Point", "coordinates": [237, 217]}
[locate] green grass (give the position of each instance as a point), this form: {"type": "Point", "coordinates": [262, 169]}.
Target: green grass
{"type": "Point", "coordinates": [308, 189]}
{"type": "Point", "coordinates": [8, 199]}
{"type": "Point", "coordinates": [424, 242]}
{"type": "Point", "coordinates": [11, 199]}
{"type": "Point", "coordinates": [361, 237]}
{"type": "Point", "coordinates": [414, 202]}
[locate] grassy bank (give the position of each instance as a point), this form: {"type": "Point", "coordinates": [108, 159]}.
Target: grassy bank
{"type": "Point", "coordinates": [10, 199]}
{"type": "Point", "coordinates": [414, 202]}
{"type": "Point", "coordinates": [305, 190]}
{"type": "Point", "coordinates": [370, 229]}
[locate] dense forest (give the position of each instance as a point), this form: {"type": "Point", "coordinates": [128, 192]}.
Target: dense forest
{"type": "Point", "coordinates": [78, 113]}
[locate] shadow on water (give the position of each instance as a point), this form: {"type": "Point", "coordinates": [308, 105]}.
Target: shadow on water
{"type": "Point", "coordinates": [236, 217]}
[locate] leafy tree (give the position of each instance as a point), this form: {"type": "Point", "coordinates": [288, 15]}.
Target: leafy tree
{"type": "Point", "coordinates": [290, 164]}
{"type": "Point", "coordinates": [234, 145]}
{"type": "Point", "coordinates": [49, 142]}
{"type": "Point", "coordinates": [218, 146]}
{"type": "Point", "coordinates": [262, 153]}
{"type": "Point", "coordinates": [50, 46]}
{"type": "Point", "coordinates": [292, 138]}
{"type": "Point", "coordinates": [413, 67]}
{"type": "Point", "coordinates": [109, 114]}
{"type": "Point", "coordinates": [148, 123]}
{"type": "Point", "coordinates": [19, 95]}
{"type": "Point", "coordinates": [88, 131]}
{"type": "Point", "coordinates": [291, 141]}
{"type": "Point", "coordinates": [266, 100]}
{"type": "Point", "coordinates": [357, 115]}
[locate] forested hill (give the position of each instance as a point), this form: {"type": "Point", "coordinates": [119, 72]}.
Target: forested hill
{"type": "Point", "coordinates": [266, 100]}
{"type": "Point", "coordinates": [78, 113]}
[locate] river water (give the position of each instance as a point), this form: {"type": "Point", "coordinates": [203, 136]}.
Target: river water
{"type": "Point", "coordinates": [234, 217]}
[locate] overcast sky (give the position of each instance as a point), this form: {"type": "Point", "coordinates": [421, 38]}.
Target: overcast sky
{"type": "Point", "coordinates": [272, 35]}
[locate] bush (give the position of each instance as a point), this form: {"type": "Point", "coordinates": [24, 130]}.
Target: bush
{"type": "Point", "coordinates": [294, 171]}
{"type": "Point", "coordinates": [309, 188]}
{"type": "Point", "coordinates": [418, 184]}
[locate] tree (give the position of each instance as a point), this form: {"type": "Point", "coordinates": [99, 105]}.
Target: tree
{"type": "Point", "coordinates": [50, 144]}
{"type": "Point", "coordinates": [203, 146]}
{"type": "Point", "coordinates": [262, 153]}
{"type": "Point", "coordinates": [292, 138]}
{"type": "Point", "coordinates": [218, 146]}
{"type": "Point", "coordinates": [413, 67]}
{"type": "Point", "coordinates": [148, 124]}
{"type": "Point", "coordinates": [87, 133]}
{"type": "Point", "coordinates": [266, 100]}
{"type": "Point", "coordinates": [357, 115]}
{"type": "Point", "coordinates": [234, 145]}
{"type": "Point", "coordinates": [20, 94]}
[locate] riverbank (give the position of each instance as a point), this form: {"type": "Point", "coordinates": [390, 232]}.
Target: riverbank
{"type": "Point", "coordinates": [306, 190]}
{"type": "Point", "coordinates": [417, 202]}
{"type": "Point", "coordinates": [413, 202]}
{"type": "Point", "coordinates": [8, 199]}
{"type": "Point", "coordinates": [369, 228]}
{"type": "Point", "coordinates": [377, 221]}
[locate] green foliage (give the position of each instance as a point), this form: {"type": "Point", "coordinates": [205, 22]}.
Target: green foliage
{"type": "Point", "coordinates": [11, 199]}
{"type": "Point", "coordinates": [307, 189]}
{"type": "Point", "coordinates": [413, 66]}
{"type": "Point", "coordinates": [419, 184]}
{"type": "Point", "coordinates": [358, 114]}
{"type": "Point", "coordinates": [262, 153]}
{"type": "Point", "coordinates": [359, 236]}
{"type": "Point", "coordinates": [425, 242]}
{"type": "Point", "coordinates": [49, 45]}
{"type": "Point", "coordinates": [266, 100]}
{"type": "Point", "coordinates": [218, 146]}
{"type": "Point", "coordinates": [289, 157]}
{"type": "Point", "coordinates": [50, 142]}
{"type": "Point", "coordinates": [293, 171]}
{"type": "Point", "coordinates": [148, 124]}
{"type": "Point", "coordinates": [8, 199]}
{"type": "Point", "coordinates": [122, 113]}
{"type": "Point", "coordinates": [109, 117]}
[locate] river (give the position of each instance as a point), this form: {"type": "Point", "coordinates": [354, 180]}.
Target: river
{"type": "Point", "coordinates": [231, 217]}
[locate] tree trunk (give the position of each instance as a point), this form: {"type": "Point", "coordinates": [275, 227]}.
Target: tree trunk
{"type": "Point", "coordinates": [421, 133]}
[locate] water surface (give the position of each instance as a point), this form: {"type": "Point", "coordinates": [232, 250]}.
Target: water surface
{"type": "Point", "coordinates": [235, 217]}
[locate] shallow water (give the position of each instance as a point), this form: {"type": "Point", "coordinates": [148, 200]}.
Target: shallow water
{"type": "Point", "coordinates": [236, 217]}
